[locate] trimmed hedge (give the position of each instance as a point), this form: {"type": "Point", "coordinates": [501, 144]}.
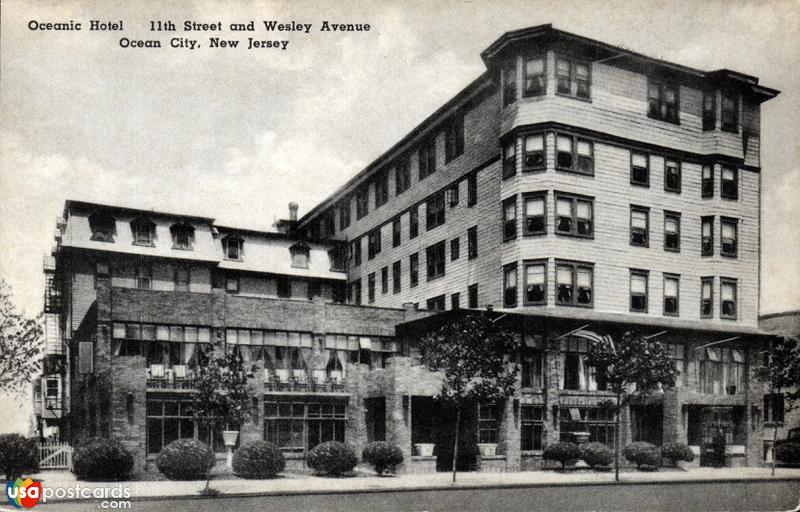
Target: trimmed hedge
{"type": "Point", "coordinates": [382, 456]}
{"type": "Point", "coordinates": [644, 455]}
{"type": "Point", "coordinates": [18, 455]}
{"type": "Point", "coordinates": [99, 458]}
{"type": "Point", "coordinates": [258, 459]}
{"type": "Point", "coordinates": [562, 452]}
{"type": "Point", "coordinates": [677, 451]}
{"type": "Point", "coordinates": [332, 458]}
{"type": "Point", "coordinates": [597, 455]}
{"type": "Point", "coordinates": [185, 459]}
{"type": "Point", "coordinates": [788, 453]}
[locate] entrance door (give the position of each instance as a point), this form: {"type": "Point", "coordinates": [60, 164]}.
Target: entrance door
{"type": "Point", "coordinates": [648, 421]}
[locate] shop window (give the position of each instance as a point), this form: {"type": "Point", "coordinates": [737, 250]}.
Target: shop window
{"type": "Point", "coordinates": [722, 371]}
{"type": "Point", "coordinates": [597, 421]}
{"type": "Point", "coordinates": [298, 425]}
{"type": "Point", "coordinates": [531, 427]}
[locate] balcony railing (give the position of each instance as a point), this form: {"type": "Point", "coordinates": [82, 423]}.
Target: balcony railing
{"type": "Point", "coordinates": [180, 377]}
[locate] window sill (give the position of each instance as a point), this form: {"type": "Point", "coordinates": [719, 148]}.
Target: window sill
{"type": "Point", "coordinates": [570, 96]}
{"type": "Point", "coordinates": [176, 248]}
{"type": "Point", "coordinates": [729, 255]}
{"type": "Point", "coordinates": [510, 306]}
{"type": "Point", "coordinates": [727, 317]}
{"type": "Point", "coordinates": [638, 311]}
{"type": "Point", "coordinates": [541, 303]}
{"type": "Point", "coordinates": [434, 278]}
{"type": "Point", "coordinates": [646, 246]}
{"type": "Point", "coordinates": [534, 95]}
{"type": "Point", "coordinates": [585, 306]}
{"type": "Point", "coordinates": [669, 249]}
{"type": "Point", "coordinates": [93, 239]}
{"type": "Point", "coordinates": [537, 233]}
{"type": "Point", "coordinates": [234, 259]}
{"type": "Point", "coordinates": [534, 453]}
{"type": "Point", "coordinates": [639, 184]}
{"type": "Point", "coordinates": [534, 170]}
{"type": "Point", "coordinates": [674, 315]}
{"type": "Point", "coordinates": [509, 238]}
{"type": "Point", "coordinates": [733, 129]}
{"type": "Point", "coordinates": [144, 244]}
{"type": "Point", "coordinates": [672, 190]}
{"type": "Point", "coordinates": [573, 171]}
{"type": "Point", "coordinates": [728, 198]}
{"type": "Point", "coordinates": [575, 235]}
{"type": "Point", "coordinates": [676, 122]}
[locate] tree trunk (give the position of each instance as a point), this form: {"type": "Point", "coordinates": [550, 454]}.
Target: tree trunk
{"type": "Point", "coordinates": [616, 440]}
{"type": "Point", "coordinates": [455, 443]}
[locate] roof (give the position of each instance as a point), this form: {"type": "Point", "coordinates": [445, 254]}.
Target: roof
{"type": "Point", "coordinates": [71, 205]}
{"type": "Point", "coordinates": [786, 323]}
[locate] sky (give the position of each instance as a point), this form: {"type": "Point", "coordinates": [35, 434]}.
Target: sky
{"type": "Point", "coordinates": [237, 134]}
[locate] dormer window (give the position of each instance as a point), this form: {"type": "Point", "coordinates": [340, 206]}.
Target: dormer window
{"type": "Point", "coordinates": [300, 253]}
{"type": "Point", "coordinates": [182, 236]}
{"type": "Point", "coordinates": [103, 227]}
{"type": "Point", "coordinates": [144, 231]}
{"type": "Point", "coordinates": [233, 245]}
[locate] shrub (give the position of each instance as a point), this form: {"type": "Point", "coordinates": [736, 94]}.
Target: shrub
{"type": "Point", "coordinates": [562, 452]}
{"type": "Point", "coordinates": [677, 451]}
{"type": "Point", "coordinates": [99, 458]}
{"type": "Point", "coordinates": [258, 459]}
{"type": "Point", "coordinates": [185, 459]}
{"type": "Point", "coordinates": [644, 455]}
{"type": "Point", "coordinates": [332, 458]}
{"type": "Point", "coordinates": [18, 455]}
{"type": "Point", "coordinates": [788, 453]}
{"type": "Point", "coordinates": [597, 454]}
{"type": "Point", "coordinates": [382, 456]}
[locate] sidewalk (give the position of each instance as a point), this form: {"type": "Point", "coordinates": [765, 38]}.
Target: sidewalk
{"type": "Point", "coordinates": [295, 484]}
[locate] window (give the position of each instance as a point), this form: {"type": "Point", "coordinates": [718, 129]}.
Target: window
{"type": "Point", "coordinates": [533, 149]}
{"type": "Point", "coordinates": [707, 182]}
{"type": "Point", "coordinates": [472, 295]}
{"type": "Point", "coordinates": [103, 227]}
{"type": "Point", "coordinates": [362, 202]}
{"type": "Point", "coordinates": [413, 270]}
{"type": "Point", "coordinates": [300, 254]}
{"type": "Point", "coordinates": [535, 283]}
{"type": "Point", "coordinates": [574, 154]}
{"type": "Point", "coordinates": [455, 249]}
{"type": "Point", "coordinates": [707, 236]}
{"type": "Point", "coordinates": [727, 301]}
{"type": "Point", "coordinates": [598, 421]}
{"type": "Point", "coordinates": [509, 83]}
{"type": "Point", "coordinates": [427, 159]}
{"type": "Point", "coordinates": [574, 215]}
{"type": "Point", "coordinates": [640, 226]}
{"type": "Point", "coordinates": [671, 294]}
{"type": "Point", "coordinates": [385, 280]}
{"type": "Point", "coordinates": [144, 231]}
{"type": "Point", "coordinates": [402, 176]}
{"type": "Point", "coordinates": [451, 195]}
{"type": "Point", "coordinates": [532, 351]}
{"type": "Point", "coordinates": [454, 138]}
{"type": "Point", "coordinates": [396, 233]}
{"type": "Point", "coordinates": [576, 373]}
{"type": "Point", "coordinates": [730, 182]}
{"type": "Point", "coordinates": [510, 286]}
{"type": "Point", "coordinates": [534, 220]}
{"type": "Point", "coordinates": [436, 303]}
{"type": "Point", "coordinates": [373, 243]}
{"type": "Point", "coordinates": [472, 190]}
{"type": "Point", "coordinates": [396, 277]}
{"type": "Point", "coordinates": [722, 371]}
{"type": "Point", "coordinates": [773, 408]}
{"type": "Point", "coordinates": [355, 292]}
{"type": "Point", "coordinates": [344, 214]}
{"type": "Point", "coordinates": [371, 287]}
{"type": "Point", "coordinates": [330, 224]}
{"type": "Point", "coordinates": [672, 231]}
{"type": "Point", "coordinates": [730, 112]}
{"type": "Point", "coordinates": [709, 110]}
{"type": "Point", "coordinates": [672, 175]}
{"type": "Point", "coordinates": [455, 301]}
{"type": "Point", "coordinates": [413, 222]}
{"type": "Point", "coordinates": [381, 189]}
{"type": "Point", "coordinates": [232, 283]}
{"type": "Point", "coordinates": [355, 251]}
{"type": "Point", "coordinates": [728, 236]}
{"type": "Point", "coordinates": [168, 421]}
{"type": "Point", "coordinates": [574, 282]}
{"type": "Point", "coordinates": [573, 78]}
{"type": "Point", "coordinates": [535, 76]}
{"type": "Point", "coordinates": [434, 211]}
{"type": "Point", "coordinates": [531, 427]}
{"type": "Point", "coordinates": [285, 287]}
{"type": "Point", "coordinates": [706, 297]}
{"type": "Point", "coordinates": [510, 158]}
{"type": "Point", "coordinates": [181, 279]}
{"type": "Point", "coordinates": [676, 354]}
{"type": "Point", "coordinates": [434, 259]}
{"type": "Point", "coordinates": [182, 236]}
{"type": "Point", "coordinates": [662, 100]}
{"type": "Point", "coordinates": [640, 169]}
{"type": "Point", "coordinates": [472, 242]}
{"type": "Point", "coordinates": [296, 425]}
{"type": "Point", "coordinates": [488, 420]}
{"type": "Point", "coordinates": [639, 291]}
{"type": "Point", "coordinates": [510, 218]}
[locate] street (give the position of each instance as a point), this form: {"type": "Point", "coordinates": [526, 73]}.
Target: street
{"type": "Point", "coordinates": [779, 495]}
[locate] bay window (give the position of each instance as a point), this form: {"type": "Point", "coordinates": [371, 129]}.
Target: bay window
{"type": "Point", "coordinates": [573, 78]}
{"type": "Point", "coordinates": [510, 285]}
{"type": "Point", "coordinates": [534, 151]}
{"type": "Point", "coordinates": [535, 282]}
{"type": "Point", "coordinates": [730, 182]}
{"type": "Point", "coordinates": [662, 100]}
{"type": "Point", "coordinates": [510, 218]}
{"type": "Point", "coordinates": [510, 159]}
{"type": "Point", "coordinates": [707, 183]}
{"type": "Point", "coordinates": [534, 222]}
{"type": "Point", "coordinates": [709, 110]}
{"type": "Point", "coordinates": [574, 215]}
{"type": "Point", "coordinates": [707, 236]}
{"type": "Point", "coordinates": [730, 112]}
{"type": "Point", "coordinates": [576, 373]}
{"type": "Point", "coordinates": [509, 75]}
{"type": "Point", "coordinates": [706, 297]}
{"type": "Point", "coordinates": [574, 154]}
{"type": "Point", "coordinates": [728, 236]}
{"type": "Point", "coordinates": [574, 283]}
{"type": "Point", "coordinates": [535, 76]}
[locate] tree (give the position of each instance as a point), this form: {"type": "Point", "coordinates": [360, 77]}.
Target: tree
{"type": "Point", "coordinates": [221, 395]}
{"type": "Point", "coordinates": [475, 357]}
{"type": "Point", "coordinates": [782, 375]}
{"type": "Point", "coordinates": [21, 344]}
{"type": "Point", "coordinates": [633, 360]}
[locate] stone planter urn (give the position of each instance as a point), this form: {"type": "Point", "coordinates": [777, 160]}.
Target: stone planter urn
{"type": "Point", "coordinates": [424, 449]}
{"type": "Point", "coordinates": [487, 449]}
{"type": "Point", "coordinates": [229, 438]}
{"type": "Point", "coordinates": [581, 437]}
